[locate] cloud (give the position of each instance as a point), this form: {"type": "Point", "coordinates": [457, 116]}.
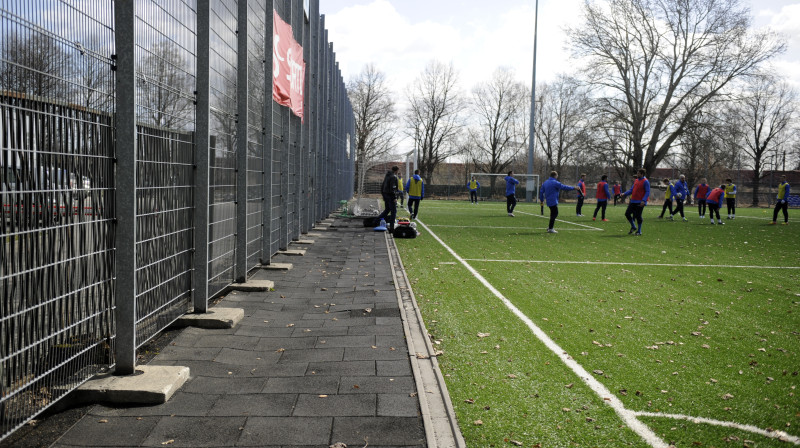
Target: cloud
{"type": "Point", "coordinates": [477, 40]}
{"type": "Point", "coordinates": [785, 21]}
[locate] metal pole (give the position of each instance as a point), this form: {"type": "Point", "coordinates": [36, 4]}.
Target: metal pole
{"type": "Point", "coordinates": [201, 164]}
{"type": "Point", "coordinates": [532, 129]}
{"type": "Point", "coordinates": [125, 188]}
{"type": "Point", "coordinates": [240, 264]}
{"type": "Point", "coordinates": [266, 116]}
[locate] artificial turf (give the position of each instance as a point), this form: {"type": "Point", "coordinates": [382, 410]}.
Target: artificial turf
{"type": "Point", "coordinates": [718, 341]}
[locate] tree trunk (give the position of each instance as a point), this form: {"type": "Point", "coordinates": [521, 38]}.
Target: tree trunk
{"type": "Point", "coordinates": [756, 180]}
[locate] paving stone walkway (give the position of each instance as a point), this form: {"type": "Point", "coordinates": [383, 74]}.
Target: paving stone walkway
{"type": "Point", "coordinates": [321, 360]}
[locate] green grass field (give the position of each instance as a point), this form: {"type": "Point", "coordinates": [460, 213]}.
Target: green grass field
{"type": "Point", "coordinates": [637, 336]}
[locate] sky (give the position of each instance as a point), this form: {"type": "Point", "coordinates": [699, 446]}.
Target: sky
{"type": "Point", "coordinates": [478, 36]}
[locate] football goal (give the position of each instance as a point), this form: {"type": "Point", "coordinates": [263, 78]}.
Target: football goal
{"type": "Point", "coordinates": [493, 186]}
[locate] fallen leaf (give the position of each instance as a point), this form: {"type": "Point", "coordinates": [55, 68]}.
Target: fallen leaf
{"type": "Point", "coordinates": [512, 376]}
{"type": "Point", "coordinates": [469, 401]}
{"type": "Point", "coordinates": [484, 335]}
{"type": "Point", "coordinates": [289, 325]}
{"type": "Point", "coordinates": [323, 396]}
{"type": "Point", "coordinates": [570, 385]}
{"type": "Point", "coordinates": [597, 372]}
{"type": "Point", "coordinates": [168, 442]}
{"type": "Point", "coordinates": [103, 421]}
{"type": "Point", "coordinates": [515, 442]}
{"type": "Point", "coordinates": [727, 397]}
{"type": "Point", "coordinates": [477, 422]}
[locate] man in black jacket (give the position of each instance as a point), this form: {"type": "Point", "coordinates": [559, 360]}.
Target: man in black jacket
{"type": "Point", "coordinates": [389, 193]}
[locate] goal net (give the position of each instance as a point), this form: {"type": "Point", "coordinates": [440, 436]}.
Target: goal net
{"type": "Point", "coordinates": [493, 186]}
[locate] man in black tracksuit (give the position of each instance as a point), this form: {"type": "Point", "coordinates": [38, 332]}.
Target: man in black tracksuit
{"type": "Point", "coordinates": [389, 193]}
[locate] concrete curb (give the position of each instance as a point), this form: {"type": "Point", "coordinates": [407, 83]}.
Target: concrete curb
{"type": "Point", "coordinates": [253, 285]}
{"type": "Point", "coordinates": [439, 418]}
{"type": "Point", "coordinates": [215, 319]}
{"type": "Point", "coordinates": [154, 385]}
{"type": "Point", "coordinates": [277, 267]}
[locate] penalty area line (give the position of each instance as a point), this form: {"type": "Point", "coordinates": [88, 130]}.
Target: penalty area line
{"type": "Point", "coordinates": [622, 263]}
{"type": "Point", "coordinates": [628, 416]}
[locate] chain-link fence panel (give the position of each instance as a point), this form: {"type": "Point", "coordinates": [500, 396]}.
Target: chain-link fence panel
{"type": "Point", "coordinates": [56, 185]}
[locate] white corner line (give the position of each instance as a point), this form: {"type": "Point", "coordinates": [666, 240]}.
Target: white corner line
{"type": "Point", "coordinates": [628, 416]}
{"type": "Point", "coordinates": [622, 263]}
{"type": "Point", "coordinates": [775, 434]}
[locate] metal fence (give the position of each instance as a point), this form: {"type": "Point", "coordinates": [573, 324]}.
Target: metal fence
{"type": "Point", "coordinates": [144, 168]}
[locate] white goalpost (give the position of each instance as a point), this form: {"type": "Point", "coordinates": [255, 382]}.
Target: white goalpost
{"type": "Point", "coordinates": [493, 186]}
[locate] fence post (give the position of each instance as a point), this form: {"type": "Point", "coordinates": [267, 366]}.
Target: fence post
{"type": "Point", "coordinates": [125, 188]}
{"type": "Point", "coordinates": [243, 103]}
{"type": "Point", "coordinates": [266, 117]}
{"type": "Point", "coordinates": [201, 161]}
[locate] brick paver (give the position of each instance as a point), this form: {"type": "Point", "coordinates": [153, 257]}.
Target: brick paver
{"type": "Point", "coordinates": [321, 359]}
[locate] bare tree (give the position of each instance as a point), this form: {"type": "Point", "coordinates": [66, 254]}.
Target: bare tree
{"type": "Point", "coordinates": [562, 127]}
{"type": "Point", "coordinates": [164, 80]}
{"type": "Point", "coordinates": [95, 79]}
{"type": "Point", "coordinates": [704, 150]}
{"type": "Point", "coordinates": [433, 116]}
{"type": "Point", "coordinates": [657, 63]}
{"type": "Point", "coordinates": [35, 65]}
{"type": "Point", "coordinates": [501, 131]}
{"type": "Point", "coordinates": [761, 119]}
{"type": "Point", "coordinates": [375, 120]}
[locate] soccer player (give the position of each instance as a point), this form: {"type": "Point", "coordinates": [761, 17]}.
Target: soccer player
{"type": "Point", "coordinates": [581, 194]}
{"type": "Point", "coordinates": [681, 192]}
{"type": "Point", "coordinates": [730, 197]}
{"type": "Point", "coordinates": [667, 198]}
{"type": "Point", "coordinates": [549, 193]}
{"type": "Point", "coordinates": [617, 192]}
{"type": "Point", "coordinates": [602, 198]}
{"type": "Point", "coordinates": [389, 193]}
{"type": "Point", "coordinates": [416, 191]}
{"type": "Point", "coordinates": [401, 191]}
{"type": "Point", "coordinates": [714, 201]}
{"type": "Point", "coordinates": [782, 202]}
{"type": "Point", "coordinates": [473, 190]}
{"type": "Point", "coordinates": [511, 190]}
{"type": "Point", "coordinates": [700, 194]}
{"type": "Point", "coordinates": [639, 193]}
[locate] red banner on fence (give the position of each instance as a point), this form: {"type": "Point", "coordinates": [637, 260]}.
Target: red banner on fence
{"type": "Point", "coordinates": [288, 67]}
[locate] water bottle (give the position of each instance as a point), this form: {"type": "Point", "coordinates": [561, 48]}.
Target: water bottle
{"type": "Point", "coordinates": [383, 223]}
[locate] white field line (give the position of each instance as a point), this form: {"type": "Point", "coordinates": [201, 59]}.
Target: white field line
{"type": "Point", "coordinates": [560, 220]}
{"type": "Point", "coordinates": [629, 417]}
{"type": "Point", "coordinates": [775, 434]}
{"type": "Point", "coordinates": [504, 227]}
{"type": "Point", "coordinates": [620, 263]}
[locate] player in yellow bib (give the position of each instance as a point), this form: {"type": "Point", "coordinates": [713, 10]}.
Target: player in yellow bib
{"type": "Point", "coordinates": [416, 191]}
{"type": "Point", "coordinates": [401, 191]}
{"type": "Point", "coordinates": [473, 186]}
{"type": "Point", "coordinates": [730, 198]}
{"type": "Point", "coordinates": [782, 202]}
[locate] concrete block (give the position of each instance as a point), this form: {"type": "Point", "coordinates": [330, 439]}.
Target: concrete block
{"type": "Point", "coordinates": [277, 266]}
{"type": "Point", "coordinates": [253, 285]}
{"type": "Point", "coordinates": [293, 252]}
{"type": "Point", "coordinates": [215, 318]}
{"type": "Point", "coordinates": [154, 385]}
